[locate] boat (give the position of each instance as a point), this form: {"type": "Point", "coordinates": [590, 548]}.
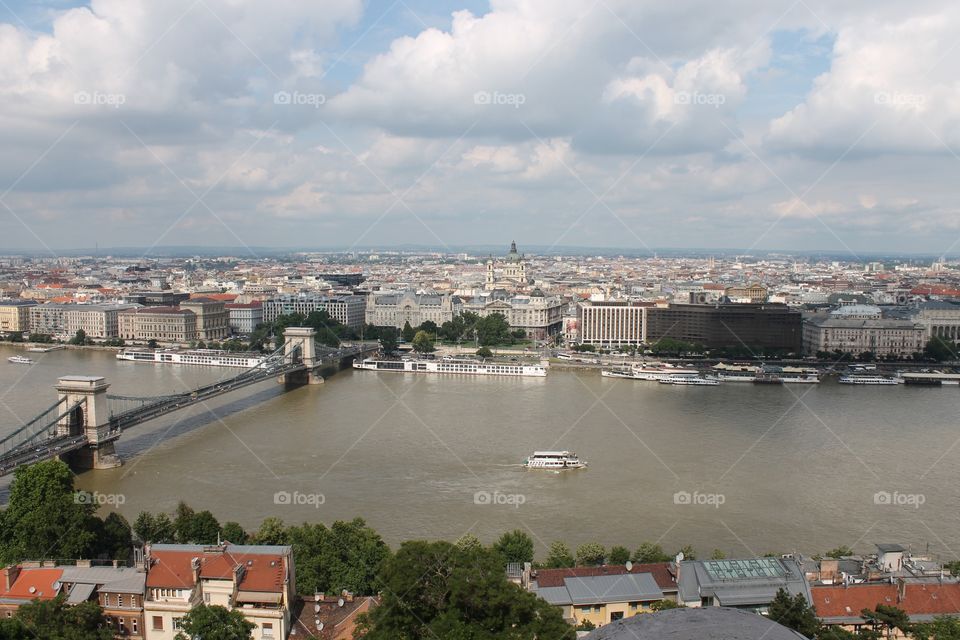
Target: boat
{"type": "Point", "coordinates": [204, 357]}
{"type": "Point", "coordinates": [20, 360]}
{"type": "Point", "coordinates": [454, 366]}
{"type": "Point", "coordinates": [736, 372]}
{"type": "Point", "coordinates": [802, 375]}
{"type": "Point", "coordinates": [554, 460]}
{"type": "Point", "coordinates": [857, 378]}
{"type": "Point", "coordinates": [617, 373]}
{"type": "Point", "coordinates": [931, 378]}
{"type": "Point", "coordinates": [690, 380]}
{"type": "Point", "coordinates": [657, 371]}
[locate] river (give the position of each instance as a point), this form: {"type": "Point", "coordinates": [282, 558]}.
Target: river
{"type": "Point", "coordinates": [766, 468]}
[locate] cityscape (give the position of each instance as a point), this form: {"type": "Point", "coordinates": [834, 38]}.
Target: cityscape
{"type": "Point", "coordinates": [479, 320]}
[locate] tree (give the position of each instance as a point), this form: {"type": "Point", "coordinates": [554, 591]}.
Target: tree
{"type": "Point", "coordinates": [619, 555]}
{"type": "Point", "coordinates": [590, 554]}
{"type": "Point", "coordinates": [484, 352]}
{"type": "Point", "coordinates": [560, 556]}
{"type": "Point", "coordinates": [44, 517]}
{"type": "Point", "coordinates": [840, 552]}
{"type": "Point", "coordinates": [55, 620]}
{"type": "Point", "coordinates": [422, 343]}
{"type": "Point", "coordinates": [468, 541]}
{"type": "Point", "coordinates": [942, 628]}
{"type": "Point", "coordinates": [953, 567]}
{"type": "Point", "coordinates": [114, 537]}
{"type": "Point", "coordinates": [889, 617]}
{"type": "Point", "coordinates": [157, 529]}
{"type": "Point", "coordinates": [80, 338]}
{"type": "Point", "coordinates": [663, 605]}
{"type": "Point", "coordinates": [940, 349]}
{"type": "Point", "coordinates": [493, 329]}
{"type": "Point", "coordinates": [429, 326]}
{"type": "Point", "coordinates": [271, 531]}
{"type": "Point", "coordinates": [437, 590]}
{"type": "Point", "coordinates": [687, 551]}
{"type": "Point", "coordinates": [388, 340]}
{"type": "Point", "coordinates": [214, 623]}
{"type": "Point", "coordinates": [192, 527]}
{"type": "Point", "coordinates": [232, 532]}
{"type": "Point", "coordinates": [717, 555]}
{"type": "Point", "coordinates": [794, 612]}
{"type": "Point", "coordinates": [649, 552]}
{"type": "Point", "coordinates": [407, 333]}
{"type": "Point", "coordinates": [348, 555]}
{"type": "Point", "coordinates": [515, 546]}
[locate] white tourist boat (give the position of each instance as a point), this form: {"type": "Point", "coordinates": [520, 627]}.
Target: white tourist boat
{"type": "Point", "coordinates": [204, 357]}
{"type": "Point", "coordinates": [454, 366]}
{"type": "Point", "coordinates": [648, 371]}
{"type": "Point", "coordinates": [736, 372]}
{"type": "Point", "coordinates": [869, 379]}
{"type": "Point", "coordinates": [554, 460]}
{"type": "Point", "coordinates": [694, 380]}
{"type": "Point", "coordinates": [20, 360]}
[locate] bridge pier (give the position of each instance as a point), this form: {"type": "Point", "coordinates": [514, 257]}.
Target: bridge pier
{"type": "Point", "coordinates": [299, 343]}
{"type": "Point", "coordinates": [91, 418]}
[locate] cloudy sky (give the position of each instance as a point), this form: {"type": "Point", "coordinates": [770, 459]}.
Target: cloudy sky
{"type": "Point", "coordinates": [755, 124]}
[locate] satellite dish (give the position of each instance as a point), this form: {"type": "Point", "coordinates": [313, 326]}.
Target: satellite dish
{"type": "Point", "coordinates": [32, 589]}
{"type": "Point", "coordinates": [57, 585]}
{"type": "Point", "coordinates": [629, 566]}
{"type": "Point", "coordinates": [340, 602]}
{"type": "Point", "coordinates": [680, 557]}
{"type": "Point", "coordinates": [319, 626]}
{"type": "Point", "coordinates": [316, 608]}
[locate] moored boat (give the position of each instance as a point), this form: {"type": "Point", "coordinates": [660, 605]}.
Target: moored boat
{"type": "Point", "coordinates": [454, 366]}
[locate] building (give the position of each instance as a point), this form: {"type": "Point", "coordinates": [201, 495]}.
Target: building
{"type": "Point", "coordinates": [748, 584]}
{"type": "Point", "coordinates": [538, 315]}
{"type": "Point", "coordinates": [606, 593]}
{"type": "Point", "coordinates": [168, 325]}
{"type": "Point", "coordinates": [748, 293]}
{"type": "Point", "coordinates": [245, 317]}
{"type": "Point", "coordinates": [714, 623]}
{"type": "Point", "coordinates": [511, 271]}
{"type": "Point", "coordinates": [922, 600]}
{"type": "Point", "coordinates": [257, 580]}
{"type": "Point", "coordinates": [96, 320]}
{"type": "Point", "coordinates": [213, 319]}
{"type": "Point", "coordinates": [398, 308]}
{"type": "Point", "coordinates": [756, 327]}
{"type": "Point", "coordinates": [15, 315]}
{"type": "Point", "coordinates": [939, 319]}
{"type": "Point", "coordinates": [337, 613]}
{"type": "Point", "coordinates": [156, 298]}
{"type": "Point", "coordinates": [347, 310]}
{"type": "Point", "coordinates": [860, 328]}
{"type": "Point", "coordinates": [612, 323]}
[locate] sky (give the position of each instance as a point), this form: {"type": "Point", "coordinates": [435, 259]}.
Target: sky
{"type": "Point", "coordinates": [755, 124]}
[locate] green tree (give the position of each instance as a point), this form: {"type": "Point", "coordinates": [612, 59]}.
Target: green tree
{"type": "Point", "coordinates": [794, 612]}
{"type": "Point", "coordinates": [271, 531]}
{"type": "Point", "coordinates": [515, 546]}
{"type": "Point", "coordinates": [687, 551]}
{"type": "Point", "coordinates": [437, 590]}
{"type": "Point", "coordinates": [493, 329]}
{"type": "Point", "coordinates": [215, 623]}
{"type": "Point", "coordinates": [468, 541]}
{"type": "Point", "coordinates": [953, 567]}
{"type": "Point", "coordinates": [389, 340]}
{"type": "Point", "coordinates": [422, 343]}
{"type": "Point", "coordinates": [44, 518]}
{"type": "Point", "coordinates": [940, 349]}
{"type": "Point", "coordinates": [195, 527]}
{"type": "Point", "coordinates": [80, 338]}
{"type": "Point", "coordinates": [114, 537]}
{"type": "Point", "coordinates": [407, 333]}
{"type": "Point", "coordinates": [663, 605]}
{"type": "Point", "coordinates": [889, 617]}
{"type": "Point", "coordinates": [590, 554]}
{"type": "Point", "coordinates": [348, 555]}
{"type": "Point", "coordinates": [717, 555]}
{"type": "Point", "coordinates": [560, 556]}
{"type": "Point", "coordinates": [942, 628]}
{"type": "Point", "coordinates": [484, 352]}
{"type": "Point", "coordinates": [619, 555]}
{"type": "Point", "coordinates": [232, 532]}
{"type": "Point", "coordinates": [429, 326]}
{"type": "Point", "coordinates": [157, 529]}
{"type": "Point", "coordinates": [649, 552]}
{"type": "Point", "coordinates": [840, 552]}
{"type": "Point", "coordinates": [55, 620]}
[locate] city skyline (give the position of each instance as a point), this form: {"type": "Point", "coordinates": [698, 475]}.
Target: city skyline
{"type": "Point", "coordinates": [770, 126]}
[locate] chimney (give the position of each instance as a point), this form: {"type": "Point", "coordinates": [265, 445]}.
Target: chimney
{"type": "Point", "coordinates": [10, 575]}
{"type": "Point", "coordinates": [901, 590]}
{"type": "Point", "coordinates": [195, 569]}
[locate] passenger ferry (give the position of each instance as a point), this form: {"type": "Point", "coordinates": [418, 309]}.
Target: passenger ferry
{"type": "Point", "coordinates": [736, 372]}
{"type": "Point", "coordinates": [691, 380]}
{"type": "Point", "coordinates": [648, 371]}
{"type": "Point", "coordinates": [20, 360]}
{"type": "Point", "coordinates": [857, 378]}
{"type": "Point", "coordinates": [554, 460]}
{"type": "Point", "coordinates": [205, 357]}
{"type": "Point", "coordinates": [455, 366]}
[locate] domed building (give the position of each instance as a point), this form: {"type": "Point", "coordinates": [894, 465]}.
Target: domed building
{"type": "Point", "coordinates": [513, 270]}
{"type": "Point", "coordinates": [702, 623]}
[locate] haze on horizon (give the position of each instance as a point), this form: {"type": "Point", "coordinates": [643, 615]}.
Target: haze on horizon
{"type": "Point", "coordinates": [786, 125]}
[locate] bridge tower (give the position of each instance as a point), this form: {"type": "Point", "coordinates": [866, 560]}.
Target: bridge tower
{"type": "Point", "coordinates": [299, 345]}
{"type": "Point", "coordinates": [92, 418]}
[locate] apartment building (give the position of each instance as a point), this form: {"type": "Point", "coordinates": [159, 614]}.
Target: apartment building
{"type": "Point", "coordinates": [169, 325]}
{"type": "Point", "coordinates": [612, 323]}
{"type": "Point", "coordinates": [15, 315]}
{"type": "Point", "coordinates": [244, 317]}
{"type": "Point", "coordinates": [859, 328]}
{"type": "Point", "coordinates": [540, 316]}
{"type": "Point", "coordinates": [347, 310]}
{"type": "Point", "coordinates": [213, 319]}
{"type": "Point", "coordinates": [98, 321]}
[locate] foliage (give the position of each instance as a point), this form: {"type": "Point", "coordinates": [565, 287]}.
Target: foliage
{"type": "Point", "coordinates": [233, 533]}
{"type": "Point", "coordinates": [192, 527]}
{"type": "Point", "coordinates": [80, 339]}
{"type": "Point", "coordinates": [560, 556]}
{"type": "Point", "coordinates": [271, 531]}
{"type": "Point", "coordinates": [794, 612]}
{"type": "Point", "coordinates": [408, 333]}
{"type": "Point", "coordinates": [515, 546]}
{"type": "Point", "coordinates": [718, 554]}
{"type": "Point", "coordinates": [42, 338]}
{"type": "Point", "coordinates": [584, 348]}
{"type": "Point", "coordinates": [839, 552]}
{"type": "Point", "coordinates": [687, 551]}
{"type": "Point", "coordinates": [422, 343]}
{"type": "Point", "coordinates": [493, 329]}
{"type": "Point", "coordinates": [214, 623]}
{"type": "Point", "coordinates": [663, 605]}
{"type": "Point", "coordinates": [437, 590]}
{"type": "Point", "coordinates": [115, 536]}
{"type": "Point", "coordinates": [650, 552]}
{"type": "Point", "coordinates": [889, 616]}
{"type": "Point", "coordinates": [942, 628]}
{"type": "Point", "coordinates": [585, 625]}
{"type": "Point", "coordinates": [389, 339]}
{"type": "Point", "coordinates": [671, 346]}
{"type": "Point", "coordinates": [345, 556]}
{"type": "Point", "coordinates": [55, 620]}
{"type": "Point", "coordinates": [940, 349]}
{"type": "Point", "coordinates": [157, 529]}
{"type": "Point", "coordinates": [619, 555]}
{"type": "Point", "coordinates": [953, 567]}
{"type": "Point", "coordinates": [590, 554]}
{"type": "Point", "coordinates": [484, 352]}
{"type": "Point", "coordinates": [468, 541]}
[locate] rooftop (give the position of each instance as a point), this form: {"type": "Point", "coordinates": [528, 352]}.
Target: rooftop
{"type": "Point", "coordinates": [706, 623]}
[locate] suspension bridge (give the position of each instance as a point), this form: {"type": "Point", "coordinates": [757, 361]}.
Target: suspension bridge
{"type": "Point", "coordinates": [85, 421]}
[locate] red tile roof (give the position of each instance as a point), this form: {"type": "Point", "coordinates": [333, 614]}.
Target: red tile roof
{"type": "Point", "coordinates": [172, 570]}
{"type": "Point", "coordinates": [662, 573]}
{"type": "Point", "coordinates": [40, 580]}
{"type": "Point", "coordinates": [920, 598]}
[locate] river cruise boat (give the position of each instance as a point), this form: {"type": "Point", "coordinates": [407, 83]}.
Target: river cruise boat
{"type": "Point", "coordinates": [204, 357]}
{"type": "Point", "coordinates": [736, 372]}
{"type": "Point", "coordinates": [454, 366]}
{"type": "Point", "coordinates": [787, 375]}
{"type": "Point", "coordinates": [694, 380]}
{"type": "Point", "coordinates": [859, 378]}
{"type": "Point", "coordinates": [931, 378]}
{"type": "Point", "coordinates": [648, 371]}
{"type": "Point", "coordinates": [554, 460]}
{"type": "Point", "coordinates": [20, 360]}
